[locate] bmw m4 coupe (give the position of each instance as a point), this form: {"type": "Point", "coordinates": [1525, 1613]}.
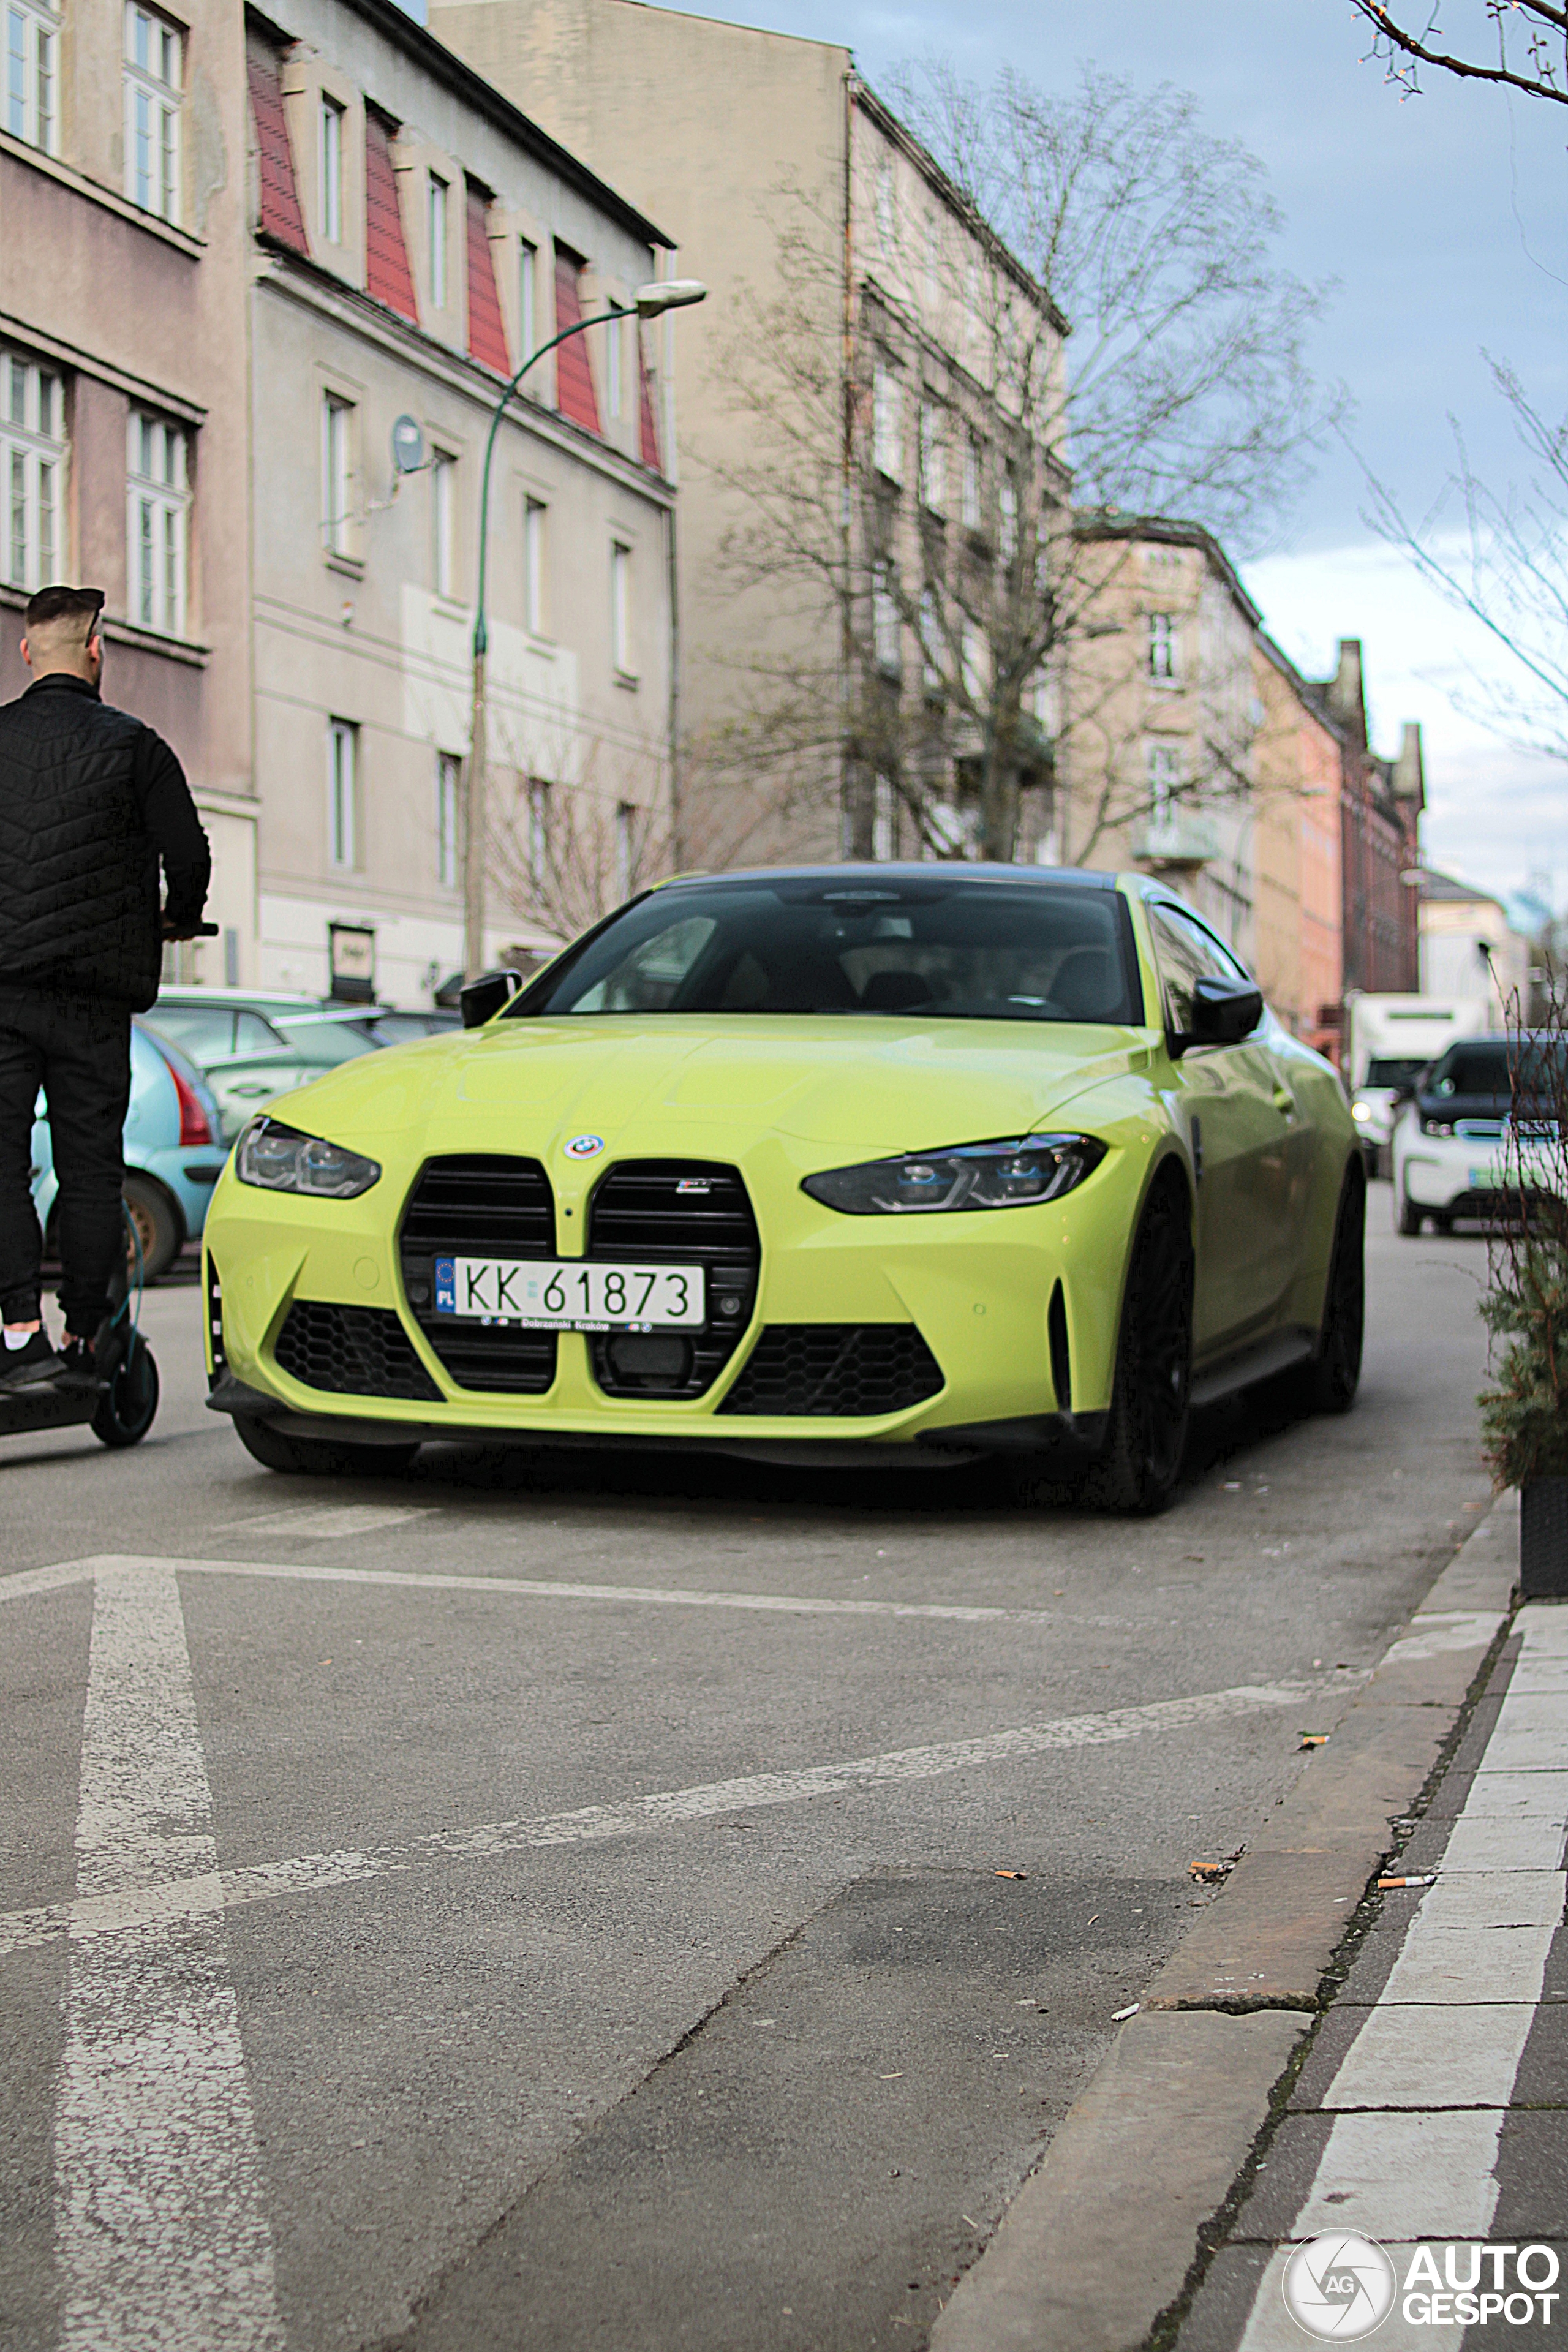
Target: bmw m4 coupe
{"type": "Point", "coordinates": [849, 1162]}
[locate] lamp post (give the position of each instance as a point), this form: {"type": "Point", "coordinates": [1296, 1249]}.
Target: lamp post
{"type": "Point", "coordinates": [648, 302]}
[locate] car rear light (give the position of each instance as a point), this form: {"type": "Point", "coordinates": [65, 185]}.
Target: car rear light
{"type": "Point", "coordinates": [194, 1125]}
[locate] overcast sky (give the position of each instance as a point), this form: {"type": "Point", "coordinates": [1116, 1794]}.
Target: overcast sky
{"type": "Point", "coordinates": [1444, 223]}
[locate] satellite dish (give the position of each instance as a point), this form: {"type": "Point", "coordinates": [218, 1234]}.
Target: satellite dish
{"type": "Point", "coordinates": [408, 447]}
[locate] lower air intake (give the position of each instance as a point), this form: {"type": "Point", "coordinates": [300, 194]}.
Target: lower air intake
{"type": "Point", "coordinates": [851, 1370]}
{"type": "Point", "coordinates": [352, 1351]}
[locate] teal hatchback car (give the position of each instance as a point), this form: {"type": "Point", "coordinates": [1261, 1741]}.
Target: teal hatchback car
{"type": "Point", "coordinates": [173, 1155]}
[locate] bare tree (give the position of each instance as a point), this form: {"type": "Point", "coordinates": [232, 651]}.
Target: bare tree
{"type": "Point", "coordinates": [1502, 557]}
{"type": "Point", "coordinates": [1520, 44]}
{"type": "Point", "coordinates": [919, 464]}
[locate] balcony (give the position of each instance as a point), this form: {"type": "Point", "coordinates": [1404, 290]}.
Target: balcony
{"type": "Point", "coordinates": [1182, 837]}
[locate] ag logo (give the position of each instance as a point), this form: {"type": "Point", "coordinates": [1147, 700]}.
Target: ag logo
{"type": "Point", "coordinates": [1339, 2287]}
{"type": "Point", "coordinates": [585, 1146]}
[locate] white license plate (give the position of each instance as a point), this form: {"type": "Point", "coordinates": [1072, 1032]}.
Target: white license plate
{"type": "Point", "coordinates": [570, 1295]}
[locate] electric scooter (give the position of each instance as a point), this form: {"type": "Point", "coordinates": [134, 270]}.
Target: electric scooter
{"type": "Point", "coordinates": [121, 1409]}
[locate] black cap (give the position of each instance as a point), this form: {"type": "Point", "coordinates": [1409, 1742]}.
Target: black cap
{"type": "Point", "coordinates": [62, 603]}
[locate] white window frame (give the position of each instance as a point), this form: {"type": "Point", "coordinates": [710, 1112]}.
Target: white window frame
{"type": "Point", "coordinates": [1165, 664]}
{"type": "Point", "coordinates": [337, 471]}
{"type": "Point", "coordinates": [527, 297]}
{"type": "Point", "coordinates": [33, 460]}
{"type": "Point", "coordinates": [886, 422]}
{"type": "Point", "coordinates": [887, 636]}
{"type": "Point", "coordinates": [154, 99]}
{"type": "Point", "coordinates": [331, 161]}
{"type": "Point", "coordinates": [157, 504]}
{"type": "Point", "coordinates": [437, 226]}
{"type": "Point", "coordinates": [443, 523]}
{"type": "Point", "coordinates": [534, 525]}
{"type": "Point", "coordinates": [1007, 515]}
{"type": "Point", "coordinates": [932, 680]}
{"type": "Point", "coordinates": [32, 74]}
{"type": "Point", "coordinates": [933, 457]}
{"type": "Point", "coordinates": [1165, 780]}
{"type": "Point", "coordinates": [884, 820]}
{"type": "Point", "coordinates": [621, 646]}
{"type": "Point", "coordinates": [448, 815]}
{"type": "Point", "coordinates": [343, 845]}
{"type": "Point", "coordinates": [974, 483]}
{"type": "Point", "coordinates": [614, 335]}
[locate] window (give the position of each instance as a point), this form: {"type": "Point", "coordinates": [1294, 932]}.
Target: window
{"type": "Point", "coordinates": [614, 334]}
{"type": "Point", "coordinates": [157, 495]}
{"type": "Point", "coordinates": [975, 656]}
{"type": "Point", "coordinates": [933, 459]}
{"type": "Point", "coordinates": [1162, 648]}
{"type": "Point", "coordinates": [1007, 509]}
{"type": "Point", "coordinates": [1186, 951]}
{"type": "Point", "coordinates": [32, 470]}
{"type": "Point", "coordinates": [437, 227]}
{"type": "Point", "coordinates": [155, 72]}
{"type": "Point", "coordinates": [332, 163]}
{"type": "Point", "coordinates": [443, 478]}
{"type": "Point", "coordinates": [974, 477]}
{"type": "Point", "coordinates": [1165, 779]}
{"type": "Point", "coordinates": [343, 793]}
{"type": "Point", "coordinates": [448, 786]}
{"type": "Point", "coordinates": [625, 832]}
{"type": "Point", "coordinates": [337, 427]}
{"type": "Point", "coordinates": [620, 608]}
{"type": "Point", "coordinates": [538, 831]}
{"type": "Point", "coordinates": [32, 67]}
{"type": "Point", "coordinates": [527, 287]}
{"type": "Point", "coordinates": [886, 422]}
{"type": "Point", "coordinates": [885, 822]}
{"type": "Point", "coordinates": [533, 513]}
{"type": "Point", "coordinates": [884, 621]}
{"type": "Point", "coordinates": [931, 645]}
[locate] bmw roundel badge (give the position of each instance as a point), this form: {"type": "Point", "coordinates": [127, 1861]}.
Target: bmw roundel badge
{"type": "Point", "coordinates": [585, 1146]}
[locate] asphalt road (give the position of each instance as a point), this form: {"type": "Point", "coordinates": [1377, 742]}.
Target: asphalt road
{"type": "Point", "coordinates": [625, 1962]}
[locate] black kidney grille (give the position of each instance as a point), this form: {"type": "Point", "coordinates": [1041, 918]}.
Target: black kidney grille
{"type": "Point", "coordinates": [480, 1204]}
{"type": "Point", "coordinates": [663, 1211]}
{"type": "Point", "coordinates": [840, 1369]}
{"type": "Point", "coordinates": [352, 1351]}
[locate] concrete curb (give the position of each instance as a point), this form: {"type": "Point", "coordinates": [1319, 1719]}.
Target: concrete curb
{"type": "Point", "coordinates": [1101, 2239]}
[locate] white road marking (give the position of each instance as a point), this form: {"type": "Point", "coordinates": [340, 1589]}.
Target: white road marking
{"type": "Point", "coordinates": [162, 2234]}
{"type": "Point", "coordinates": [329, 1521]}
{"type": "Point", "coordinates": [665, 1809]}
{"type": "Point", "coordinates": [30, 1580]}
{"type": "Point", "coordinates": [1443, 1630]}
{"type": "Point", "coordinates": [1396, 2061]}
{"type": "Point", "coordinates": [1491, 1842]}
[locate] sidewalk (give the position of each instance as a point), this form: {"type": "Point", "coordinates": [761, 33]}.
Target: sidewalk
{"type": "Point", "coordinates": [1432, 2109]}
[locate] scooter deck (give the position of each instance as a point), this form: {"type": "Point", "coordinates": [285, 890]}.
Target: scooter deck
{"type": "Point", "coordinates": [25, 1410]}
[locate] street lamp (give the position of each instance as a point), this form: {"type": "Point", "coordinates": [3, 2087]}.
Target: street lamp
{"type": "Point", "coordinates": [648, 302]}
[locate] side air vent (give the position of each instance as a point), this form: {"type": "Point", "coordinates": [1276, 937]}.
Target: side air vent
{"type": "Point", "coordinates": [841, 1368]}
{"type": "Point", "coordinates": [685, 1213]}
{"type": "Point", "coordinates": [352, 1351]}
{"type": "Point", "coordinates": [480, 1204]}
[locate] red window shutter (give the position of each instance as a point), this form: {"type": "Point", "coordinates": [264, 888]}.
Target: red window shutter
{"type": "Point", "coordinates": [573, 376]}
{"type": "Point", "coordinates": [387, 276]}
{"type": "Point", "coordinates": [648, 422]}
{"type": "Point", "coordinates": [279, 215]}
{"type": "Point", "coordinates": [486, 335]}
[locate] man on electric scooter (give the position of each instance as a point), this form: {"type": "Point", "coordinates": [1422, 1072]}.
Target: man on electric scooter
{"type": "Point", "coordinates": [92, 803]}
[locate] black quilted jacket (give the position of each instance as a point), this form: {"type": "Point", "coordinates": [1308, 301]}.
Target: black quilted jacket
{"type": "Point", "coordinates": [92, 802]}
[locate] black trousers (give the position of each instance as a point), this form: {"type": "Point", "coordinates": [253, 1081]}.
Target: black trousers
{"type": "Point", "coordinates": [78, 1049]}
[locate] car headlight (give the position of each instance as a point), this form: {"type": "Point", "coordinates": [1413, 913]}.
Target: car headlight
{"type": "Point", "coordinates": [280, 1160]}
{"type": "Point", "coordinates": [1361, 1110]}
{"type": "Point", "coordinates": [1016, 1175]}
{"type": "Point", "coordinates": [1436, 1126]}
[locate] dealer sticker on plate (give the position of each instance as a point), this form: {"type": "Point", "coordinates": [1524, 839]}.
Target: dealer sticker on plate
{"type": "Point", "coordinates": [571, 1296]}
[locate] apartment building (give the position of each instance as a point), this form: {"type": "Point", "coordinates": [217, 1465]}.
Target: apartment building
{"type": "Point", "coordinates": [859, 402]}
{"type": "Point", "coordinates": [1380, 804]}
{"type": "Point", "coordinates": [413, 237]}
{"type": "Point", "coordinates": [123, 392]}
{"type": "Point", "coordinates": [1298, 760]}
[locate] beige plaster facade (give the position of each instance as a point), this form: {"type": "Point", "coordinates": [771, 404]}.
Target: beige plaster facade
{"type": "Point", "coordinates": [122, 298]}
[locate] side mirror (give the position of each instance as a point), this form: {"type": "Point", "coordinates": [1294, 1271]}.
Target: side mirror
{"type": "Point", "coordinates": [483, 998]}
{"type": "Point", "coordinates": [1224, 1013]}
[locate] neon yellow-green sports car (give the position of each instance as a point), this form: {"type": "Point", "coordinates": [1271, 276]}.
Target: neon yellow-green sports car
{"type": "Point", "coordinates": [849, 1159]}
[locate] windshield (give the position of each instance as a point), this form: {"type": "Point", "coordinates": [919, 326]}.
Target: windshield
{"type": "Point", "coordinates": [1488, 1070]}
{"type": "Point", "coordinates": [1392, 1072]}
{"type": "Point", "coordinates": [944, 949]}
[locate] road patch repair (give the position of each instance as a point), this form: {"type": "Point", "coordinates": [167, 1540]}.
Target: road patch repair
{"type": "Point", "coordinates": [1109, 2242]}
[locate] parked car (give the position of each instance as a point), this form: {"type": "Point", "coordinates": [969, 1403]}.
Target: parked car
{"type": "Point", "coordinates": [173, 1155]}
{"type": "Point", "coordinates": [252, 1048]}
{"type": "Point", "coordinates": [876, 1158]}
{"type": "Point", "coordinates": [1462, 1136]}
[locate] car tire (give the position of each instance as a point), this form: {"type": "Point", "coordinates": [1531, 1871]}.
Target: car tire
{"type": "Point", "coordinates": [1443, 1225]}
{"type": "Point", "coordinates": [317, 1457]}
{"type": "Point", "coordinates": [156, 1225]}
{"type": "Point", "coordinates": [1141, 1461]}
{"type": "Point", "coordinates": [129, 1404]}
{"type": "Point", "coordinates": [1407, 1217]}
{"type": "Point", "coordinates": [1328, 1383]}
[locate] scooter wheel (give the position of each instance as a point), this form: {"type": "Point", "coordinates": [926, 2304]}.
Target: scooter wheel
{"type": "Point", "coordinates": [129, 1404]}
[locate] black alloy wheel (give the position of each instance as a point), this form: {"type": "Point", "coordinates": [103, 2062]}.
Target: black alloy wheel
{"type": "Point", "coordinates": [1335, 1374]}
{"type": "Point", "coordinates": [318, 1457]}
{"type": "Point", "coordinates": [1141, 1461]}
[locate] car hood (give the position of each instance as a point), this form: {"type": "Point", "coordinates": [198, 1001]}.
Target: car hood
{"type": "Point", "coordinates": [880, 1085]}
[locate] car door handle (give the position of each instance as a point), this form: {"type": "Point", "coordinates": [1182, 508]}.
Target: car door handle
{"type": "Point", "coordinates": [256, 1088]}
